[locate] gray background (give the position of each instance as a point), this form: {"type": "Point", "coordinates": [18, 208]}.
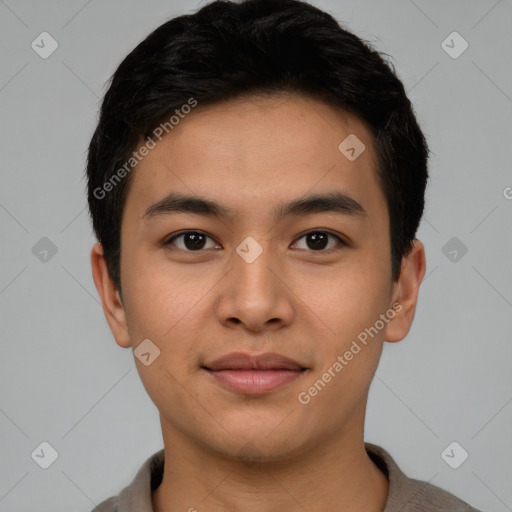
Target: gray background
{"type": "Point", "coordinates": [64, 380]}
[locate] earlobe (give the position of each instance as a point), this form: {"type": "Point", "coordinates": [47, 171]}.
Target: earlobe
{"type": "Point", "coordinates": [406, 292]}
{"type": "Point", "coordinates": [110, 299]}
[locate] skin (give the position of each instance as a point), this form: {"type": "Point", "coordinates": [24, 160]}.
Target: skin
{"type": "Point", "coordinates": [224, 450]}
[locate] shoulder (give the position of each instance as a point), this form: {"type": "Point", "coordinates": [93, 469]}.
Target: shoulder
{"type": "Point", "coordinates": [136, 496]}
{"type": "Point", "coordinates": [109, 505]}
{"type": "Point", "coordinates": [427, 497]}
{"type": "Point", "coordinates": [409, 495]}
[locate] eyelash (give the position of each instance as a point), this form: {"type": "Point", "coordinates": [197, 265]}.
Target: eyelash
{"type": "Point", "coordinates": [340, 245]}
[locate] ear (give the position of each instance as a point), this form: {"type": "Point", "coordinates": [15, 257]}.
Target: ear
{"type": "Point", "coordinates": [110, 298]}
{"type": "Point", "coordinates": [405, 293]}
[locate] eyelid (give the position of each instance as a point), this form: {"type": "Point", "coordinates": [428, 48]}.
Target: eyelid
{"type": "Point", "coordinates": [342, 241]}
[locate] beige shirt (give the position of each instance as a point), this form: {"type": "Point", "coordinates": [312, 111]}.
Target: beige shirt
{"type": "Point", "coordinates": [405, 494]}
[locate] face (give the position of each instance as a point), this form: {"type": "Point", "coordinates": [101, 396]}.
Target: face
{"type": "Point", "coordinates": [258, 289]}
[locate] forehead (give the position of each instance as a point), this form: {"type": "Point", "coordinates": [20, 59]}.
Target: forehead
{"type": "Point", "coordinates": [256, 151]}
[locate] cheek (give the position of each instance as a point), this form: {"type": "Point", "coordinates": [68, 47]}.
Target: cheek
{"type": "Point", "coordinates": [350, 355]}
{"type": "Point", "coordinates": [349, 299]}
{"type": "Point", "coordinates": [158, 299]}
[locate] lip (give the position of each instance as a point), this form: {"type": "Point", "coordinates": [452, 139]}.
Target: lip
{"type": "Point", "coordinates": [254, 375]}
{"type": "Point", "coordinates": [243, 361]}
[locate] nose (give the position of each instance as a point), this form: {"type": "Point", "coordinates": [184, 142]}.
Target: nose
{"type": "Point", "coordinates": [254, 294]}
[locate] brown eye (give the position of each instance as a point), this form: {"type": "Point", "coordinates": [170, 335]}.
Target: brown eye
{"type": "Point", "coordinates": [319, 240]}
{"type": "Point", "coordinates": [191, 241]}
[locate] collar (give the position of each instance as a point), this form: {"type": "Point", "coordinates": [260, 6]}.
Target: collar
{"type": "Point", "coordinates": [404, 493]}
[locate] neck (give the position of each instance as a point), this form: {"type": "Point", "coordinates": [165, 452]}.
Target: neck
{"type": "Point", "coordinates": [336, 474]}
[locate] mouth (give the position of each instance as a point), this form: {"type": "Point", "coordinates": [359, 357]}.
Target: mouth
{"type": "Point", "coordinates": [254, 375]}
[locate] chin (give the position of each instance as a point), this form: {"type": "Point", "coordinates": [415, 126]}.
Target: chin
{"type": "Point", "coordinates": [258, 445]}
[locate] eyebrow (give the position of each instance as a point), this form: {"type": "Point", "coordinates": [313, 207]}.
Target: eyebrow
{"type": "Point", "coordinates": [334, 202]}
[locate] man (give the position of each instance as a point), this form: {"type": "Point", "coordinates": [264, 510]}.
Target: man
{"type": "Point", "coordinates": [255, 182]}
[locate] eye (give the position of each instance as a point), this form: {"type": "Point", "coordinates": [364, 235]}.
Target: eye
{"type": "Point", "coordinates": [195, 241]}
{"type": "Point", "coordinates": [192, 241]}
{"type": "Point", "coordinates": [317, 241]}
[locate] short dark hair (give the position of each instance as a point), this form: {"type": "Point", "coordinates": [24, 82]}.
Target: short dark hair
{"type": "Point", "coordinates": [227, 50]}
